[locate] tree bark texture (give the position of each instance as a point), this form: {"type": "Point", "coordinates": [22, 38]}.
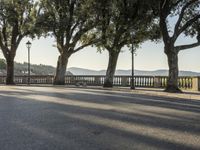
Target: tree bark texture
{"type": "Point", "coordinates": [59, 78]}
{"type": "Point", "coordinates": [113, 57]}
{"type": "Point", "coordinates": [172, 83]}
{"type": "Point", "coordinates": [10, 72]}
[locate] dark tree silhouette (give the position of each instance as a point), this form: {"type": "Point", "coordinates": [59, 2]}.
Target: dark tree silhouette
{"type": "Point", "coordinates": [187, 22]}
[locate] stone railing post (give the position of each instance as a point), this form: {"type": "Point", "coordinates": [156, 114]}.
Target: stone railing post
{"type": "Point", "coordinates": [2, 79]}
{"type": "Point", "coordinates": [196, 83]}
{"type": "Point", "coordinates": [157, 82]}
{"type": "Point", "coordinates": [49, 80]}
{"type": "Point", "coordinates": [24, 80]}
{"type": "Point", "coordinates": [124, 81]}
{"type": "Point", "coordinates": [97, 81]}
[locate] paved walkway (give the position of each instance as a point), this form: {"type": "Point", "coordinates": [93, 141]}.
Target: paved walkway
{"type": "Point", "coordinates": [63, 118]}
{"type": "Point", "coordinates": [187, 94]}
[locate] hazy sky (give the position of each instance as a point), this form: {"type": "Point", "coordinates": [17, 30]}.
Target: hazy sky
{"type": "Point", "coordinates": [149, 57]}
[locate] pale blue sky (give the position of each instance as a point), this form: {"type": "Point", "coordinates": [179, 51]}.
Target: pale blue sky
{"type": "Point", "coordinates": [149, 57]}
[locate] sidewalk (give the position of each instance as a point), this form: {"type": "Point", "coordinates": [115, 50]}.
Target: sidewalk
{"type": "Point", "coordinates": [187, 94]}
{"type": "Point", "coordinates": [190, 95]}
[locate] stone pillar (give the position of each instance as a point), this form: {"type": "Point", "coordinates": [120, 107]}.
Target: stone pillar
{"type": "Point", "coordinates": [124, 81]}
{"type": "Point", "coordinates": [24, 80]}
{"type": "Point", "coordinates": [2, 80]}
{"type": "Point", "coordinates": [97, 81]}
{"type": "Point", "coordinates": [196, 83]}
{"type": "Point", "coordinates": [49, 80]}
{"type": "Point", "coordinates": [157, 82]}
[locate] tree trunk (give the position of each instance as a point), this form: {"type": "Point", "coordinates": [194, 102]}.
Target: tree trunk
{"type": "Point", "coordinates": [172, 83]}
{"type": "Point", "coordinates": [10, 72]}
{"type": "Point", "coordinates": [113, 57]}
{"type": "Point", "coordinates": [59, 79]}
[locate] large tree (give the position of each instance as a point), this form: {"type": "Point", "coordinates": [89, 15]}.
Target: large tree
{"type": "Point", "coordinates": [122, 22]}
{"type": "Point", "coordinates": [68, 21]}
{"type": "Point", "coordinates": [177, 18]}
{"type": "Point", "coordinates": [17, 19]}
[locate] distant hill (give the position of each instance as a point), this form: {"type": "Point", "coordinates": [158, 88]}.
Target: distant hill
{"type": "Point", "coordinates": [21, 69]}
{"type": "Point", "coordinates": [81, 71]}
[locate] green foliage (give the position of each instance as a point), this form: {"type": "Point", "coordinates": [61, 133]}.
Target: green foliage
{"type": "Point", "coordinates": [126, 22]}
{"type": "Point", "coordinates": [186, 14]}
{"type": "Point", "coordinates": [22, 68]}
{"type": "Point", "coordinates": [69, 21]}
{"type": "Point", "coordinates": [17, 20]}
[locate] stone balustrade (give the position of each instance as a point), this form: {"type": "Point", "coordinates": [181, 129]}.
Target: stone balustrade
{"type": "Point", "coordinates": [191, 83]}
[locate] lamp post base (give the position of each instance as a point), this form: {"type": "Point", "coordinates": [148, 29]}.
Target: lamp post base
{"type": "Point", "coordinates": [132, 88]}
{"type": "Point", "coordinates": [132, 83]}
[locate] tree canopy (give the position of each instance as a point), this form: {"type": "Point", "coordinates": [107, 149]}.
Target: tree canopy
{"type": "Point", "coordinates": [123, 23]}
{"type": "Point", "coordinates": [68, 21]}
{"type": "Point", "coordinates": [108, 24]}
{"type": "Point", "coordinates": [186, 16]}
{"type": "Point", "coordinates": [17, 20]}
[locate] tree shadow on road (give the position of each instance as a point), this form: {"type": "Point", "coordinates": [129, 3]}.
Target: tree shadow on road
{"type": "Point", "coordinates": [100, 120]}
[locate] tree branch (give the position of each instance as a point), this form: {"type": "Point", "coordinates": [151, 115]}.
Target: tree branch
{"type": "Point", "coordinates": [15, 33]}
{"type": "Point", "coordinates": [19, 39]}
{"type": "Point", "coordinates": [85, 45]}
{"type": "Point", "coordinates": [175, 4]}
{"type": "Point", "coordinates": [124, 42]}
{"type": "Point", "coordinates": [81, 32]}
{"type": "Point", "coordinates": [5, 39]}
{"type": "Point", "coordinates": [187, 24]}
{"type": "Point", "coordinates": [184, 47]}
{"type": "Point", "coordinates": [69, 26]}
{"type": "Point", "coordinates": [3, 47]}
{"type": "Point", "coordinates": [181, 17]}
{"type": "Point", "coordinates": [164, 12]}
{"type": "Point", "coordinates": [60, 46]}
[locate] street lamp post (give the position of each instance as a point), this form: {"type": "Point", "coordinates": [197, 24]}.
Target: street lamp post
{"type": "Point", "coordinates": [28, 44]}
{"type": "Point", "coordinates": [132, 74]}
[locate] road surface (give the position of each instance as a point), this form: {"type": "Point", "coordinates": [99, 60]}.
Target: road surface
{"type": "Point", "coordinates": [61, 118]}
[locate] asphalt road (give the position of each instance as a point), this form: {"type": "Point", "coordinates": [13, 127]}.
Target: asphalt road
{"type": "Point", "coordinates": [58, 118]}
